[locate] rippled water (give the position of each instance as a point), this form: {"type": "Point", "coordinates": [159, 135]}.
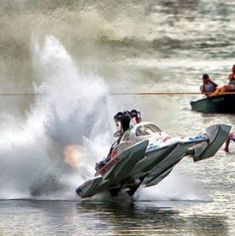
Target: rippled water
{"type": "Point", "coordinates": [136, 218]}
{"type": "Point", "coordinates": [77, 55]}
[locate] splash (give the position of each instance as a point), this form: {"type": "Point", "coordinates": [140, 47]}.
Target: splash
{"type": "Point", "coordinates": [176, 187]}
{"type": "Point", "coordinates": [66, 132]}
{"type": "Point", "coordinates": [73, 111]}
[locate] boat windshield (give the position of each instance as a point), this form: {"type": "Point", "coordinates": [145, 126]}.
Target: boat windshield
{"type": "Point", "coordinates": [147, 129]}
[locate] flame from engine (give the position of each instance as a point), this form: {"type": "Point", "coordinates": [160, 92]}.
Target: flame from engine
{"type": "Point", "coordinates": [73, 155]}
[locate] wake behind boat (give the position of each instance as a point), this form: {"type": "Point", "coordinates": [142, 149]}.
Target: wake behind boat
{"type": "Point", "coordinates": [145, 155]}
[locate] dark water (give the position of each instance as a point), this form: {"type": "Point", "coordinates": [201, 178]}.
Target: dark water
{"type": "Point", "coordinates": [134, 218]}
{"type": "Point", "coordinates": [76, 55]}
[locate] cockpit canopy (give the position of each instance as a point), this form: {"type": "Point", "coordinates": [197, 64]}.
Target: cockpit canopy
{"type": "Point", "coordinates": [140, 131]}
{"type": "Point", "coordinates": [147, 129]}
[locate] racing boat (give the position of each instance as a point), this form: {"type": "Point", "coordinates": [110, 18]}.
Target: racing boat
{"type": "Point", "coordinates": [145, 155]}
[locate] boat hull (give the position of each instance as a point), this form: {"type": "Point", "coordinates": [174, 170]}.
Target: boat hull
{"type": "Point", "coordinates": [217, 104]}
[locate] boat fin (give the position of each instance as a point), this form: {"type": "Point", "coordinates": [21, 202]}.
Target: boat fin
{"type": "Point", "coordinates": [217, 134]}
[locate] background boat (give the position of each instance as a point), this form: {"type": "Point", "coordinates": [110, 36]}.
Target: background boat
{"type": "Point", "coordinates": [218, 104]}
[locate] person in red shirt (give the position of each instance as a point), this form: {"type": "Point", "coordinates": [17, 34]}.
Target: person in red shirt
{"type": "Point", "coordinates": [230, 87]}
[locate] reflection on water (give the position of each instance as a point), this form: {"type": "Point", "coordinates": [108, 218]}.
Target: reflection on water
{"type": "Point", "coordinates": [144, 218]}
{"type": "Point", "coordinates": [113, 218]}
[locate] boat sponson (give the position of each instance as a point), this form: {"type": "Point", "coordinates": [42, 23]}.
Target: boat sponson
{"type": "Point", "coordinates": [112, 179]}
{"type": "Point", "coordinates": [152, 159]}
{"type": "Point", "coordinates": [165, 165]}
{"type": "Point", "coordinates": [126, 162]}
{"type": "Point", "coordinates": [91, 187]}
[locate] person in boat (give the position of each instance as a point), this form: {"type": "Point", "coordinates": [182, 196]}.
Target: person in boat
{"type": "Point", "coordinates": [123, 121]}
{"type": "Point", "coordinates": [231, 77]}
{"type": "Point", "coordinates": [227, 142]}
{"type": "Point", "coordinates": [208, 85]}
{"type": "Point", "coordinates": [230, 87]}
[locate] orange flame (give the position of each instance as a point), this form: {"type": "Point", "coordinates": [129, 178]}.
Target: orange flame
{"type": "Point", "coordinates": [73, 155]}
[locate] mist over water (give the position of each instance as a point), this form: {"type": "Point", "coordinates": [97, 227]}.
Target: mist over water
{"type": "Point", "coordinates": [67, 129]}
{"type": "Point", "coordinates": [73, 111]}
{"type": "Point", "coordinates": [71, 117]}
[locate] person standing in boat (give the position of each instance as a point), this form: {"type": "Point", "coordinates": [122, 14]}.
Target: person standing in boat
{"type": "Point", "coordinates": [227, 142]}
{"type": "Point", "coordinates": [208, 85]}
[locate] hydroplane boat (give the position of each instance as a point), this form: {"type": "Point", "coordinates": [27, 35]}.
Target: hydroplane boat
{"type": "Point", "coordinates": [145, 155]}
